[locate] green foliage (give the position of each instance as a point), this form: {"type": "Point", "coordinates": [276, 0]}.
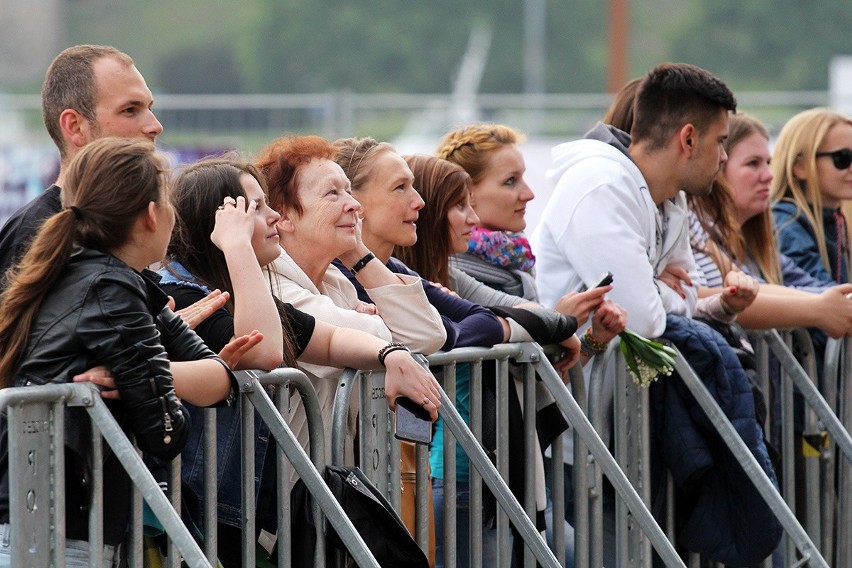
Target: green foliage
{"type": "Point", "coordinates": [209, 68]}
{"type": "Point", "coordinates": [374, 46]}
{"type": "Point", "coordinates": [766, 44]}
{"type": "Point", "coordinates": [369, 46]}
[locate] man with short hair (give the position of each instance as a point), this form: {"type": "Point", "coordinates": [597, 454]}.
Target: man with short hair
{"type": "Point", "coordinates": [617, 204]}
{"type": "Point", "coordinates": [89, 92]}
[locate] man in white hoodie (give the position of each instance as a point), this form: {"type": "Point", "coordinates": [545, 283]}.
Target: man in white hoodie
{"type": "Point", "coordinates": [617, 204]}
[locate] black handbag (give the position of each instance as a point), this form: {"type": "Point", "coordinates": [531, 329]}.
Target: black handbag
{"type": "Point", "coordinates": [372, 515]}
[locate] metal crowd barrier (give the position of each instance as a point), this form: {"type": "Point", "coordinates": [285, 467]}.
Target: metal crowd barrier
{"type": "Point", "coordinates": [633, 495]}
{"type": "Point", "coordinates": [37, 505]}
{"type": "Point", "coordinates": [837, 374]}
{"type": "Point", "coordinates": [380, 454]}
{"type": "Point", "coordinates": [824, 481]}
{"type": "Point", "coordinates": [631, 449]}
{"type": "Point", "coordinates": [37, 474]}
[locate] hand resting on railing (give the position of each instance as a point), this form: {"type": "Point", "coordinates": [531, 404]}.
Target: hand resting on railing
{"type": "Point", "coordinates": [230, 354]}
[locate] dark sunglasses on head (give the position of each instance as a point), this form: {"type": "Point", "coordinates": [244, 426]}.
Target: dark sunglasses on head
{"type": "Point", "coordinates": [842, 158]}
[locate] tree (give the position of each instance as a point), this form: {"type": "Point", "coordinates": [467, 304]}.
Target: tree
{"type": "Point", "coordinates": [766, 44]}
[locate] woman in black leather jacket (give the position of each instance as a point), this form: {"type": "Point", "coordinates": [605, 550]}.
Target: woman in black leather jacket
{"type": "Point", "coordinates": [82, 297]}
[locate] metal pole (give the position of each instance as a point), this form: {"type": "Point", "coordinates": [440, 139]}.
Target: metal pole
{"type": "Point", "coordinates": [619, 32]}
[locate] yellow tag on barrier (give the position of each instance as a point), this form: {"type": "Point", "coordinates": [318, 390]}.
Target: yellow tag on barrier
{"type": "Point", "coordinates": [812, 443]}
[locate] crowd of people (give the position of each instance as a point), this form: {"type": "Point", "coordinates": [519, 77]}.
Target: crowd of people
{"type": "Point", "coordinates": [322, 255]}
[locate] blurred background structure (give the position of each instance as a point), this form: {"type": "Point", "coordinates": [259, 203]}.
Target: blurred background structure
{"type": "Point", "coordinates": [228, 74]}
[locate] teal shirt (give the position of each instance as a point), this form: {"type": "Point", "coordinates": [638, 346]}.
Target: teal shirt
{"type": "Point", "coordinates": [436, 449]}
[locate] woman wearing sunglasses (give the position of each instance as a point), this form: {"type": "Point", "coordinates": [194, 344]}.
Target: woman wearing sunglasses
{"type": "Point", "coordinates": [813, 177]}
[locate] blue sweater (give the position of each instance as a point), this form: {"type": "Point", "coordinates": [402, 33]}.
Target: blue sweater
{"type": "Point", "coordinates": [467, 324]}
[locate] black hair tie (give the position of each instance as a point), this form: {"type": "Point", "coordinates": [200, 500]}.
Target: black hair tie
{"type": "Point", "coordinates": [78, 215]}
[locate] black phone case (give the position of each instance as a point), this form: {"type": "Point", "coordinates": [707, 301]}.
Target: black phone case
{"type": "Point", "coordinates": [605, 280]}
{"type": "Point", "coordinates": [412, 422]}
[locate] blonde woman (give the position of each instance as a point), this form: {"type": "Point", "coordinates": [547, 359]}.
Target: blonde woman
{"type": "Point", "coordinates": [812, 168]}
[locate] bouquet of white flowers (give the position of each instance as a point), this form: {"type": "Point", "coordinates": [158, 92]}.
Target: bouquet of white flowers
{"type": "Point", "coordinates": [646, 359]}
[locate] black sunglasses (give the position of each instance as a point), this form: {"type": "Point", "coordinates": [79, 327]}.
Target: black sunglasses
{"type": "Point", "coordinates": [842, 158]}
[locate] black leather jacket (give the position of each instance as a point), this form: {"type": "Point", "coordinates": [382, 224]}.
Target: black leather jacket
{"type": "Point", "coordinates": [102, 312]}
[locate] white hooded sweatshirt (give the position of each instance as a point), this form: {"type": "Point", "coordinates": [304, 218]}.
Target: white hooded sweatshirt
{"type": "Point", "coordinates": [600, 217]}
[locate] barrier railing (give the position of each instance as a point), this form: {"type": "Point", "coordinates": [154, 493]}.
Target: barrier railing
{"type": "Point", "coordinates": [375, 432]}
{"type": "Point", "coordinates": [37, 506]}
{"type": "Point", "coordinates": [749, 464]}
{"type": "Point", "coordinates": [824, 482]}
{"type": "Point", "coordinates": [254, 397]}
{"type": "Point", "coordinates": [811, 393]}
{"type": "Point", "coordinates": [843, 521]}
{"type": "Point", "coordinates": [824, 517]}
{"type": "Point", "coordinates": [630, 449]}
{"type": "Point", "coordinates": [586, 434]}
{"type": "Point", "coordinates": [35, 416]}
{"type": "Point", "coordinates": [37, 475]}
{"type": "Point", "coordinates": [629, 405]}
{"type": "Point", "coordinates": [377, 440]}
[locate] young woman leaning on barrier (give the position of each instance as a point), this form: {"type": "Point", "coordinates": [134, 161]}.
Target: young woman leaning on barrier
{"type": "Point", "coordinates": [737, 228]}
{"type": "Point", "coordinates": [82, 297]}
{"type": "Point", "coordinates": [444, 229]}
{"type": "Point", "coordinates": [382, 183]}
{"type": "Point", "coordinates": [495, 251]}
{"type": "Point", "coordinates": [225, 235]}
{"type": "Point", "coordinates": [498, 252]}
{"type": "Point", "coordinates": [733, 227]}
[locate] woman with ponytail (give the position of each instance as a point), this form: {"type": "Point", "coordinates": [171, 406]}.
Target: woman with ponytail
{"type": "Point", "coordinates": [81, 297]}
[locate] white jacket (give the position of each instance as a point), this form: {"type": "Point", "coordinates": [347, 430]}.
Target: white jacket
{"type": "Point", "coordinates": [601, 218]}
{"type": "Point", "coordinates": [406, 316]}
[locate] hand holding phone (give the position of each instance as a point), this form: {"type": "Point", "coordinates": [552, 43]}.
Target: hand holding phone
{"type": "Point", "coordinates": [604, 280]}
{"type": "Point", "coordinates": [412, 422]}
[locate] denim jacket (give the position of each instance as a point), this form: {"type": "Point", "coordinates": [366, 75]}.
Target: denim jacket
{"type": "Point", "coordinates": [229, 456]}
{"type": "Point", "coordinates": [797, 239]}
{"type": "Point", "coordinates": [182, 286]}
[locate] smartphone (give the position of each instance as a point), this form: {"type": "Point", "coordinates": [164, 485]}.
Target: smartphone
{"type": "Point", "coordinates": [412, 422]}
{"type": "Point", "coordinates": [604, 280]}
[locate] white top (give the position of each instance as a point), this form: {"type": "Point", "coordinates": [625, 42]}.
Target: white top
{"type": "Point", "coordinates": [406, 316]}
{"type": "Point", "coordinates": [601, 218]}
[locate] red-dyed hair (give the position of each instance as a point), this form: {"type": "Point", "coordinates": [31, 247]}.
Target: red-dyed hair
{"type": "Point", "coordinates": [280, 162]}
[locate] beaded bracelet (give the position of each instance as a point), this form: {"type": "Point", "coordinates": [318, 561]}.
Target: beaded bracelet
{"type": "Point", "coordinates": [362, 263]}
{"type": "Point", "coordinates": [585, 350]}
{"type": "Point", "coordinates": [390, 348]}
{"type": "Point", "coordinates": [591, 344]}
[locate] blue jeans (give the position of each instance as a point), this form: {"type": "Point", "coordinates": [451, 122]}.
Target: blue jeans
{"type": "Point", "coordinates": [566, 527]}
{"type": "Point", "coordinates": [489, 536]}
{"type": "Point", "coordinates": [76, 552]}
{"type": "Point", "coordinates": [608, 502]}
